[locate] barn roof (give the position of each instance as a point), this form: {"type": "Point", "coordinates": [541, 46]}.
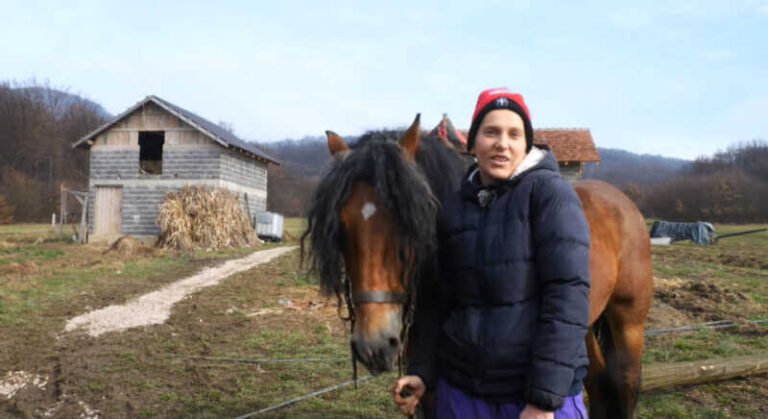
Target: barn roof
{"type": "Point", "coordinates": [213, 131]}
{"type": "Point", "coordinates": [446, 131]}
{"type": "Point", "coordinates": [568, 144]}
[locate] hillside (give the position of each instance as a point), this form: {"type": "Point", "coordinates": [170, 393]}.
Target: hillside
{"type": "Point", "coordinates": [307, 156]}
{"type": "Point", "coordinates": [728, 187]}
{"type": "Point", "coordinates": [37, 127]}
{"type": "Point", "coordinates": [59, 102]}
{"type": "Point", "coordinates": [621, 167]}
{"type": "Point", "coordinates": [304, 157]}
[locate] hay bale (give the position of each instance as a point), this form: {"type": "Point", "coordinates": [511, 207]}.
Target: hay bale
{"type": "Point", "coordinates": [129, 246]}
{"type": "Point", "coordinates": [199, 217]}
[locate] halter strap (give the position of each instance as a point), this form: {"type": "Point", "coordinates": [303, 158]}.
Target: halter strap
{"type": "Point", "coordinates": [362, 297]}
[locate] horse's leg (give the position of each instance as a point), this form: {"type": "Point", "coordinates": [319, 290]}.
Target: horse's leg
{"type": "Point", "coordinates": [623, 367]}
{"type": "Point", "coordinates": [595, 377]}
{"type": "Point", "coordinates": [604, 273]}
{"type": "Point", "coordinates": [620, 294]}
{"type": "Point", "coordinates": [626, 315]}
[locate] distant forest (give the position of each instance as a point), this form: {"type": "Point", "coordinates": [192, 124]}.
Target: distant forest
{"type": "Point", "coordinates": [38, 125]}
{"type": "Point", "coordinates": [729, 187]}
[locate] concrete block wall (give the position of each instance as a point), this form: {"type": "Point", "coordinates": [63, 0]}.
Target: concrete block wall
{"type": "Point", "coordinates": [114, 163]}
{"type": "Point", "coordinates": [182, 162]}
{"type": "Point", "coordinates": [256, 204]}
{"type": "Point", "coordinates": [141, 204]}
{"type": "Point", "coordinates": [185, 162]}
{"type": "Point", "coordinates": [241, 169]}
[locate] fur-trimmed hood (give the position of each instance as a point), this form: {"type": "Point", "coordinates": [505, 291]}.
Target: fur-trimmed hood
{"type": "Point", "coordinates": [539, 158]}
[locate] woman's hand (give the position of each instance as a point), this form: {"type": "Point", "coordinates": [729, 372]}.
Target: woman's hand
{"type": "Point", "coordinates": [533, 412]}
{"type": "Point", "coordinates": [413, 385]}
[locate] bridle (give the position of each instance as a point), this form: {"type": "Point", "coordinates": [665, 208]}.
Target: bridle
{"type": "Point", "coordinates": [392, 297]}
{"type": "Point", "coordinates": [408, 300]}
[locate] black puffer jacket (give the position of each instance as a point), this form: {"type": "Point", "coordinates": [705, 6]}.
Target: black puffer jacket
{"type": "Point", "coordinates": [507, 319]}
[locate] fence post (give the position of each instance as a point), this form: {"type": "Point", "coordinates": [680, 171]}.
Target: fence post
{"type": "Point", "coordinates": [63, 212]}
{"type": "Point", "coordinates": [248, 210]}
{"type": "Point", "coordinates": [83, 225]}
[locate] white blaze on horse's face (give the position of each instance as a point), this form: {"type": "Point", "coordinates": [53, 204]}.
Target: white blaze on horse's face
{"type": "Point", "coordinates": [368, 210]}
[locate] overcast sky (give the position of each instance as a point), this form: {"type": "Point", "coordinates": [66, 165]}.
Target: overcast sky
{"type": "Point", "coordinates": [676, 78]}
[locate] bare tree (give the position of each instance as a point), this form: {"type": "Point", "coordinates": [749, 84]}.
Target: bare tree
{"type": "Point", "coordinates": [287, 193]}
{"type": "Point", "coordinates": [731, 186]}
{"type": "Point", "coordinates": [38, 124]}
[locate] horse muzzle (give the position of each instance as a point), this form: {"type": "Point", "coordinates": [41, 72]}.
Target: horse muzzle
{"type": "Point", "coordinates": [379, 354]}
{"type": "Point", "coordinates": [376, 338]}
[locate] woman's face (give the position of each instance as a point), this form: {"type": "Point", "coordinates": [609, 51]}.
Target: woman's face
{"type": "Point", "coordinates": [499, 145]}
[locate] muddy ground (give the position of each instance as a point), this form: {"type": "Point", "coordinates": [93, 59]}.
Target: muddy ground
{"type": "Point", "coordinates": [272, 312]}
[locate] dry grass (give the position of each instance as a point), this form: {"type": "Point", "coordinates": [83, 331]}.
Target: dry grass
{"type": "Point", "coordinates": [203, 218]}
{"type": "Point", "coordinates": [6, 211]}
{"type": "Point", "coordinates": [130, 246]}
{"type": "Point", "coordinates": [139, 373]}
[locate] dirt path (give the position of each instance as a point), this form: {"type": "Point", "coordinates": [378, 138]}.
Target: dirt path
{"type": "Point", "coordinates": [155, 307]}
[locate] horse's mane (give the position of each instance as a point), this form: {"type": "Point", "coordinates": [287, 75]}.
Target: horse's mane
{"type": "Point", "coordinates": [411, 191]}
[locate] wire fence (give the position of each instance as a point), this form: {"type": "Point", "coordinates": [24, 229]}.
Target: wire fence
{"type": "Point", "coordinates": [304, 397]}
{"type": "Point", "coordinates": [258, 360]}
{"type": "Point", "coordinates": [718, 324]}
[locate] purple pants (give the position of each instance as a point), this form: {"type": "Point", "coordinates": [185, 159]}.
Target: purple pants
{"type": "Point", "coordinates": [451, 403]}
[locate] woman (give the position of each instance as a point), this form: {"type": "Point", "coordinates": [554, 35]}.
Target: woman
{"type": "Point", "coordinates": [502, 333]}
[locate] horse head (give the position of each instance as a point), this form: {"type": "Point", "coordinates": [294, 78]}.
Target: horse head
{"type": "Point", "coordinates": [371, 225]}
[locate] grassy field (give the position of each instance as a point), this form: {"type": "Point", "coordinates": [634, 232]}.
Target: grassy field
{"type": "Point", "coordinates": [274, 312]}
{"type": "Point", "coordinates": [694, 285]}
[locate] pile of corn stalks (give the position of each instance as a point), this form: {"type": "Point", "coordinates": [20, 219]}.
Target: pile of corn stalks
{"type": "Point", "coordinates": [203, 218]}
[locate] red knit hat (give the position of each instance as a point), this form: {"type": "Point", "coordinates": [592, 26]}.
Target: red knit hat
{"type": "Point", "coordinates": [500, 98]}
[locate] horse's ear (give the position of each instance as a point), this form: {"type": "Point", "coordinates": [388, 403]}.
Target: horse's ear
{"type": "Point", "coordinates": [335, 143]}
{"type": "Point", "coordinates": [410, 140]}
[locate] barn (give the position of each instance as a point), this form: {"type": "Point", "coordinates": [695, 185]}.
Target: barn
{"type": "Point", "coordinates": [155, 147]}
{"type": "Point", "coordinates": [573, 147]}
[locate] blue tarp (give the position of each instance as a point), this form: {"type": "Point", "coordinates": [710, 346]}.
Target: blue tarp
{"type": "Point", "coordinates": [699, 232]}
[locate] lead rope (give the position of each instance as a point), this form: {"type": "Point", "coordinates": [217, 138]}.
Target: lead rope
{"type": "Point", "coordinates": [404, 392]}
{"type": "Point", "coordinates": [408, 321]}
{"type": "Point", "coordinates": [402, 356]}
{"type": "Point", "coordinates": [351, 317]}
{"type": "Point", "coordinates": [401, 359]}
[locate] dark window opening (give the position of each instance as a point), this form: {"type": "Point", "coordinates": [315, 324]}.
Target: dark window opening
{"type": "Point", "coordinates": [151, 152]}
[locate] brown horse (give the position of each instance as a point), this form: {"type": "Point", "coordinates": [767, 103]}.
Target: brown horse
{"type": "Point", "coordinates": [372, 232]}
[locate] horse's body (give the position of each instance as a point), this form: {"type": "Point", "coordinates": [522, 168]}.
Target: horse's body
{"type": "Point", "coordinates": [370, 233]}
{"type": "Point", "coordinates": [621, 285]}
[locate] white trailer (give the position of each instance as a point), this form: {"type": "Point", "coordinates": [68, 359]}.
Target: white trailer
{"type": "Point", "coordinates": [269, 226]}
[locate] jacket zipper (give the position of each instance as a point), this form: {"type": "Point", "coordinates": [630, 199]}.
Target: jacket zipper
{"type": "Point", "coordinates": [479, 251]}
